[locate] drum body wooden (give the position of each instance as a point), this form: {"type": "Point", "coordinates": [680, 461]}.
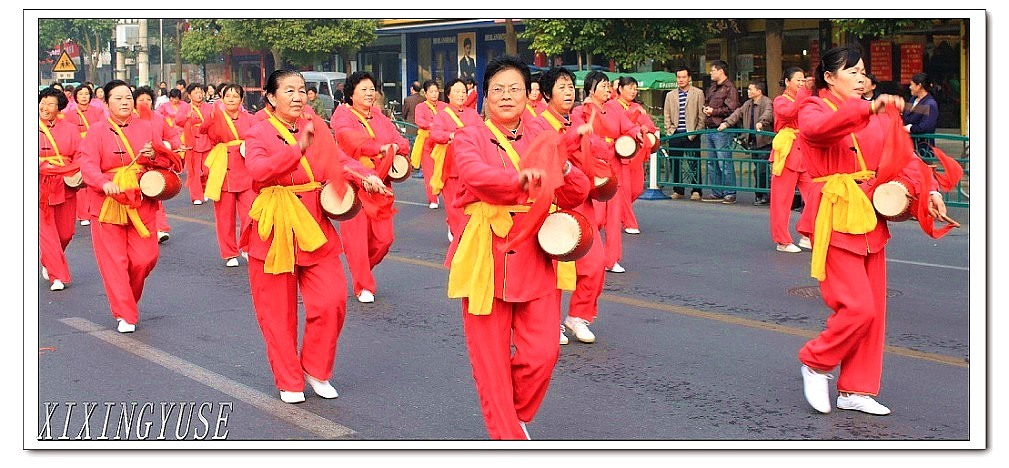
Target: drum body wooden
{"type": "Point", "coordinates": [892, 201]}
{"type": "Point", "coordinates": [653, 141]}
{"type": "Point", "coordinates": [336, 207]}
{"type": "Point", "coordinates": [400, 169]}
{"type": "Point", "coordinates": [604, 188]}
{"type": "Point", "coordinates": [160, 184]}
{"type": "Point", "coordinates": [625, 147]}
{"type": "Point", "coordinates": [565, 235]}
{"type": "Point", "coordinates": [74, 180]}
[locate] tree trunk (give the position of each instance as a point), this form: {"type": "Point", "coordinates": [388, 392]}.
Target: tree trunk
{"type": "Point", "coordinates": [511, 40]}
{"type": "Point", "coordinates": [580, 62]}
{"type": "Point", "coordinates": [277, 63]}
{"type": "Point", "coordinates": [773, 60]}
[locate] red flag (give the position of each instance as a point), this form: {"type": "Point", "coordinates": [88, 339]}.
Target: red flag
{"type": "Point", "coordinates": [385, 163]}
{"type": "Point", "coordinates": [952, 172]}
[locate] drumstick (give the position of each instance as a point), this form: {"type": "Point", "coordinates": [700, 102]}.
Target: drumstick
{"type": "Point", "coordinates": [383, 191]}
{"type": "Point", "coordinates": [949, 220]}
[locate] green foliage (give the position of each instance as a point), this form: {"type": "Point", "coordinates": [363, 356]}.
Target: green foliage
{"type": "Point", "coordinates": [204, 41]}
{"type": "Point", "coordinates": [871, 28]}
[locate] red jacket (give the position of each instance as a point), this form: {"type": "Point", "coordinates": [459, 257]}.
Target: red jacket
{"type": "Point", "coordinates": [68, 141]}
{"type": "Point", "coordinates": [237, 179]}
{"type": "Point", "coordinates": [443, 128]}
{"type": "Point", "coordinates": [354, 138]}
{"type": "Point", "coordinates": [786, 114]}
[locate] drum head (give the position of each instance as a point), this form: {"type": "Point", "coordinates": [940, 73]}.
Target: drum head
{"type": "Point", "coordinates": [74, 180]}
{"type": "Point", "coordinates": [400, 169]}
{"type": "Point", "coordinates": [891, 199]}
{"type": "Point", "coordinates": [625, 146]}
{"type": "Point", "coordinates": [560, 234]}
{"type": "Point", "coordinates": [241, 149]}
{"type": "Point", "coordinates": [152, 184]}
{"type": "Point", "coordinates": [341, 208]}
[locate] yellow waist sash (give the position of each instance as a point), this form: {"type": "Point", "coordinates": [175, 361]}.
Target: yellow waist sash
{"type": "Point", "coordinates": [56, 160]}
{"type": "Point", "coordinates": [781, 146]}
{"type": "Point", "coordinates": [113, 212]}
{"type": "Point", "coordinates": [217, 162]}
{"type": "Point", "coordinates": [418, 147]}
{"type": "Point", "coordinates": [278, 211]}
{"type": "Point", "coordinates": [438, 155]}
{"type": "Point", "coordinates": [844, 207]}
{"type": "Point", "coordinates": [367, 162]}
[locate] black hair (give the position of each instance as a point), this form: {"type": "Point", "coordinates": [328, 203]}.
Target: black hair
{"type": "Point", "coordinates": [921, 79]}
{"type": "Point", "coordinates": [61, 99]}
{"type": "Point", "coordinates": [273, 81]}
{"type": "Point", "coordinates": [82, 88]}
{"type": "Point", "coordinates": [163, 91]}
{"type": "Point", "coordinates": [681, 67]}
{"type": "Point", "coordinates": [351, 84]}
{"type": "Point", "coordinates": [503, 63]}
{"type": "Point", "coordinates": [225, 87]}
{"type": "Point", "coordinates": [872, 79]}
{"type": "Point", "coordinates": [467, 42]}
{"type": "Point", "coordinates": [56, 85]}
{"type": "Point", "coordinates": [113, 85]}
{"type": "Point", "coordinates": [592, 79]}
{"type": "Point", "coordinates": [427, 84]}
{"type": "Point", "coordinates": [761, 86]}
{"type": "Point", "coordinates": [625, 81]}
{"type": "Point", "coordinates": [191, 87]}
{"type": "Point", "coordinates": [415, 86]}
{"type": "Point", "coordinates": [173, 93]}
{"type": "Point", "coordinates": [834, 60]}
{"type": "Point", "coordinates": [312, 89]}
{"type": "Point", "coordinates": [144, 90]}
{"type": "Point", "coordinates": [549, 79]}
{"type": "Point", "coordinates": [789, 73]}
{"type": "Point", "coordinates": [181, 82]}
{"type": "Point", "coordinates": [448, 86]}
{"type": "Point", "coordinates": [720, 65]}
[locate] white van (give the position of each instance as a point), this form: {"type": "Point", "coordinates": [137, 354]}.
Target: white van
{"type": "Point", "coordinates": [325, 83]}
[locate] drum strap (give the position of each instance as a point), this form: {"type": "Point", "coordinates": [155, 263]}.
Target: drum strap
{"type": "Point", "coordinates": [531, 110]}
{"type": "Point", "coordinates": [438, 155]}
{"type": "Point", "coordinates": [472, 271]}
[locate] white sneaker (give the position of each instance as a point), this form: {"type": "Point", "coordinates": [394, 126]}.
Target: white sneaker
{"type": "Point", "coordinates": [292, 397]}
{"type": "Point", "coordinates": [805, 243]}
{"type": "Point", "coordinates": [616, 268]}
{"type": "Point", "coordinates": [814, 386]}
{"type": "Point", "coordinates": [366, 296]}
{"type": "Point", "coordinates": [126, 327]}
{"type": "Point", "coordinates": [632, 230]}
{"type": "Point", "coordinates": [57, 286]}
{"type": "Point", "coordinates": [200, 202]}
{"type": "Point", "coordinates": [524, 430]}
{"type": "Point", "coordinates": [433, 206]}
{"type": "Point", "coordinates": [790, 248]}
{"type": "Point", "coordinates": [232, 262]}
{"type": "Point", "coordinates": [564, 338]}
{"type": "Point", "coordinates": [85, 222]}
{"type": "Point", "coordinates": [580, 327]}
{"type": "Point", "coordinates": [450, 236]}
{"type": "Point", "coordinates": [162, 236]}
{"type": "Point", "coordinates": [321, 387]}
{"type": "Point", "coordinates": [863, 403]}
{"type": "Point", "coordinates": [45, 274]}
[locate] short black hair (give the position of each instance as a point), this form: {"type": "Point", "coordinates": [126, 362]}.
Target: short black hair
{"type": "Point", "coordinates": [352, 81]}
{"type": "Point", "coordinates": [681, 67]}
{"type": "Point", "coordinates": [592, 79]}
{"type": "Point", "coordinates": [549, 79]}
{"type": "Point", "coordinates": [113, 85]}
{"type": "Point", "coordinates": [181, 82]}
{"type": "Point", "coordinates": [144, 90]}
{"type": "Point", "coordinates": [191, 87]}
{"type": "Point", "coordinates": [448, 86]}
{"type": "Point", "coordinates": [173, 93]}
{"type": "Point", "coordinates": [720, 65]}
{"type": "Point", "coordinates": [503, 63]}
{"type": "Point", "coordinates": [761, 86]}
{"type": "Point", "coordinates": [312, 89]}
{"type": "Point", "coordinates": [789, 73]}
{"type": "Point", "coordinates": [61, 99]}
{"type": "Point", "coordinates": [225, 87]}
{"type": "Point", "coordinates": [82, 88]}
{"type": "Point", "coordinates": [921, 79]}
{"type": "Point", "coordinates": [415, 86]}
{"type": "Point", "coordinates": [626, 81]}
{"type": "Point", "coordinates": [428, 84]}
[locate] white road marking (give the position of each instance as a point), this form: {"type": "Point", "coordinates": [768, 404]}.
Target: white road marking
{"type": "Point", "coordinates": [936, 265]}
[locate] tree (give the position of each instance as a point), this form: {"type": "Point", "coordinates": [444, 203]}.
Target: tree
{"type": "Point", "coordinates": [91, 35]}
{"type": "Point", "coordinates": [869, 28]}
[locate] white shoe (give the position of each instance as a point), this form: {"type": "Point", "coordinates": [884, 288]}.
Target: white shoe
{"type": "Point", "coordinates": [232, 262]}
{"type": "Point", "coordinates": [126, 327]}
{"type": "Point", "coordinates": [321, 387]}
{"type": "Point", "coordinates": [632, 230]}
{"type": "Point", "coordinates": [805, 243]}
{"type": "Point", "coordinates": [580, 327]}
{"type": "Point", "coordinates": [200, 202]}
{"type": "Point", "coordinates": [790, 248]}
{"type": "Point", "coordinates": [245, 255]}
{"type": "Point", "coordinates": [524, 430]}
{"type": "Point", "coordinates": [814, 386]}
{"type": "Point", "coordinates": [162, 236]}
{"type": "Point", "coordinates": [292, 397]}
{"type": "Point", "coordinates": [863, 403]}
{"type": "Point", "coordinates": [433, 206]}
{"type": "Point", "coordinates": [57, 286]}
{"type": "Point", "coordinates": [366, 296]}
{"type": "Point", "coordinates": [45, 274]}
{"type": "Point", "coordinates": [85, 222]}
{"type": "Point", "coordinates": [616, 268]}
{"type": "Point", "coordinates": [564, 338]}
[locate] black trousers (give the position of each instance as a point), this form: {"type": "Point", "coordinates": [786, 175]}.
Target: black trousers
{"type": "Point", "coordinates": [686, 148]}
{"type": "Point", "coordinates": [761, 169]}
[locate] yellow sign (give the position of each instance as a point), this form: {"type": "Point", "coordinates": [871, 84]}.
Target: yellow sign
{"type": "Point", "coordinates": [64, 64]}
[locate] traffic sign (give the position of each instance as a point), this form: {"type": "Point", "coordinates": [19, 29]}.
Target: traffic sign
{"type": "Point", "coordinates": [64, 64]}
{"type": "Point", "coordinates": [64, 75]}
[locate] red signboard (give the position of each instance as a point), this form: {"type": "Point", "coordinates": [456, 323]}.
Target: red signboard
{"type": "Point", "coordinates": [814, 55]}
{"type": "Point", "coordinates": [911, 61]}
{"type": "Point", "coordinates": [881, 60]}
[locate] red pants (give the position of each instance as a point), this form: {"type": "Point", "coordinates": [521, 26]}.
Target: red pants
{"type": "Point", "coordinates": [83, 197]}
{"type": "Point", "coordinates": [427, 168]}
{"type": "Point", "coordinates": [56, 228]}
{"type": "Point", "coordinates": [124, 261]}
{"type": "Point", "coordinates": [225, 213]}
{"type": "Point", "coordinates": [365, 243]}
{"type": "Point", "coordinates": [632, 184]}
{"type": "Point", "coordinates": [161, 219]}
{"type": "Point", "coordinates": [275, 298]}
{"type": "Point", "coordinates": [855, 288]}
{"type": "Point", "coordinates": [608, 216]}
{"type": "Point", "coordinates": [512, 386]}
{"type": "Point", "coordinates": [196, 177]}
{"type": "Point", "coordinates": [782, 191]}
{"type": "Point", "coordinates": [589, 283]}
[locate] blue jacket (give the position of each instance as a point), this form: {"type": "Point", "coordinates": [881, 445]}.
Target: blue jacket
{"type": "Point", "coordinates": [925, 116]}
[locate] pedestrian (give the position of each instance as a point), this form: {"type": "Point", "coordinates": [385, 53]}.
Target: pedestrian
{"type": "Point", "coordinates": [363, 132]}
{"type": "Point", "coordinates": [869, 92]}
{"type": "Point", "coordinates": [787, 168]}
{"type": "Point", "coordinates": [510, 322]}
{"type": "Point", "coordinates": [755, 114]}
{"type": "Point", "coordinates": [842, 139]}
{"type": "Point", "coordinates": [923, 115]}
{"type": "Point", "coordinates": [286, 256]}
{"type": "Point", "coordinates": [420, 155]}
{"type": "Point", "coordinates": [315, 103]}
{"type": "Point", "coordinates": [114, 156]}
{"type": "Point", "coordinates": [719, 102]}
{"type": "Point", "coordinates": [409, 108]}
{"type": "Point", "coordinates": [632, 170]}
{"type": "Point", "coordinates": [59, 142]}
{"type": "Point", "coordinates": [162, 98]}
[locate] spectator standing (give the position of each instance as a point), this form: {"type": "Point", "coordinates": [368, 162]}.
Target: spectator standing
{"type": "Point", "coordinates": [755, 114]}
{"type": "Point", "coordinates": [719, 102]}
{"type": "Point", "coordinates": [869, 92]}
{"type": "Point", "coordinates": [162, 98]}
{"type": "Point", "coordinates": [409, 108]}
{"type": "Point", "coordinates": [923, 115]}
{"type": "Point", "coordinates": [315, 103]}
{"type": "Point", "coordinates": [684, 112]}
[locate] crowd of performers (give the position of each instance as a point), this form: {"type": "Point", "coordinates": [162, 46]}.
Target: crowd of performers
{"type": "Point", "coordinates": [537, 194]}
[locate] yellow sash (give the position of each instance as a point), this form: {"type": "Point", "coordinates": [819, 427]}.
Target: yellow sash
{"type": "Point", "coordinates": [781, 146]}
{"type": "Point", "coordinates": [844, 207]}
{"type": "Point", "coordinates": [278, 211]}
{"type": "Point", "coordinates": [217, 162]}
{"type": "Point", "coordinates": [531, 110]}
{"type": "Point", "coordinates": [57, 159]}
{"type": "Point", "coordinates": [556, 124]}
{"type": "Point", "coordinates": [84, 120]}
{"type": "Point", "coordinates": [438, 155]}
{"type": "Point", "coordinates": [418, 144]}
{"type": "Point", "coordinates": [366, 161]}
{"type": "Point", "coordinates": [472, 271]}
{"type": "Point", "coordinates": [567, 275]}
{"type": "Point", "coordinates": [126, 178]}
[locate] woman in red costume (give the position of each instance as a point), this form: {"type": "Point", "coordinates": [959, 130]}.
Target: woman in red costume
{"type": "Point", "coordinates": [536, 105]}
{"type": "Point", "coordinates": [59, 142]}
{"type": "Point", "coordinates": [292, 245]}
{"type": "Point", "coordinates": [197, 141]}
{"type": "Point", "coordinates": [607, 125]}
{"type": "Point", "coordinates": [228, 181]}
{"type": "Point", "coordinates": [509, 298]}
{"type": "Point", "coordinates": [144, 98]}
{"type": "Point", "coordinates": [364, 133]}
{"type": "Point", "coordinates": [83, 114]}
{"type": "Point", "coordinates": [787, 169]}
{"type": "Point", "coordinates": [842, 140]}
{"type": "Point", "coordinates": [445, 179]}
{"type": "Point", "coordinates": [632, 172]}
{"type": "Point", "coordinates": [420, 155]}
{"type": "Point", "coordinates": [114, 156]}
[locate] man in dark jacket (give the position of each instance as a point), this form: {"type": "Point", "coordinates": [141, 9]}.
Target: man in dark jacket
{"type": "Point", "coordinates": [719, 102]}
{"type": "Point", "coordinates": [755, 114]}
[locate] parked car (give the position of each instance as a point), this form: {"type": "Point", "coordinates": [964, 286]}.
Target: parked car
{"type": "Point", "coordinates": [325, 83]}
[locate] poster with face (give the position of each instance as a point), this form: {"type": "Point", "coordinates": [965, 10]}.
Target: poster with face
{"type": "Point", "coordinates": [467, 57]}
